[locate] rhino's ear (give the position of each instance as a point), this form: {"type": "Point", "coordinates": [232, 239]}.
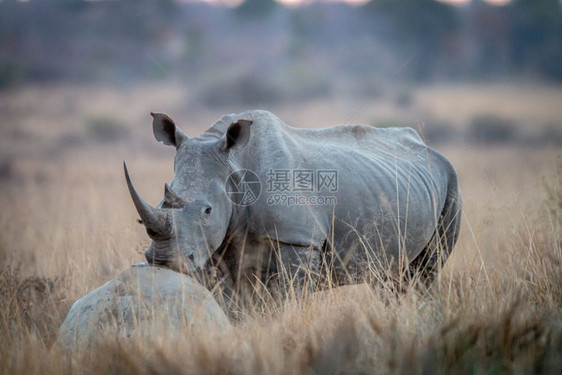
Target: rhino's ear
{"type": "Point", "coordinates": [237, 135]}
{"type": "Point", "coordinates": [166, 131]}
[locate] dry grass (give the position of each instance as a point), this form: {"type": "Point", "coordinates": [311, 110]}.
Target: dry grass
{"type": "Point", "coordinates": [68, 226]}
{"type": "Point", "coordinates": [518, 102]}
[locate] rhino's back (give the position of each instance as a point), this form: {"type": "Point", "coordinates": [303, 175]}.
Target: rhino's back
{"type": "Point", "coordinates": [268, 131]}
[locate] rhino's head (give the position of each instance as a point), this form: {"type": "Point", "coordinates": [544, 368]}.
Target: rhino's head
{"type": "Point", "coordinates": [191, 221]}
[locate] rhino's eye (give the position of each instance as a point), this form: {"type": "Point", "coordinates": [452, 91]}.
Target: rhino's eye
{"type": "Point", "coordinates": [208, 210]}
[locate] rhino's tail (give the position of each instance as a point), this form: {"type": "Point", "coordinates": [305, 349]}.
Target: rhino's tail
{"type": "Point", "coordinates": [428, 263]}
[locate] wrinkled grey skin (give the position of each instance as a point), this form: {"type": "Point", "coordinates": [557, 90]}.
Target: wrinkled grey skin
{"type": "Point", "coordinates": [397, 201]}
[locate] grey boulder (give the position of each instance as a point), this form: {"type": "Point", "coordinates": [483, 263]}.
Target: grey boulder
{"type": "Point", "coordinates": [142, 300]}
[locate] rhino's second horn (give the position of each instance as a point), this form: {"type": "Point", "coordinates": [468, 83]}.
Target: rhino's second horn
{"type": "Point", "coordinates": [156, 221]}
{"type": "Point", "coordinates": [171, 198]}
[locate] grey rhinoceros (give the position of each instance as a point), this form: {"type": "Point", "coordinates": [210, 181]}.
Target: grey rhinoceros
{"type": "Point", "coordinates": [258, 198]}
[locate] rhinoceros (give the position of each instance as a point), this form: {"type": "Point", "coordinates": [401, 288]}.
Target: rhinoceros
{"type": "Point", "coordinates": [261, 198]}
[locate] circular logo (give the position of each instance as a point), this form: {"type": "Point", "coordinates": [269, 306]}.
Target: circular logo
{"type": "Point", "coordinates": [243, 187]}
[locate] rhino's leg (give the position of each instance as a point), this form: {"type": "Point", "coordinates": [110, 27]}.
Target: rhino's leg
{"type": "Point", "coordinates": [428, 263]}
{"type": "Point", "coordinates": [260, 274]}
{"type": "Point", "coordinates": [297, 268]}
{"type": "Point", "coordinates": [250, 276]}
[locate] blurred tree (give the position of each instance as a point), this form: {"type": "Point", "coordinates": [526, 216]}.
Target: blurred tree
{"type": "Point", "coordinates": [257, 8]}
{"type": "Point", "coordinates": [324, 42]}
{"type": "Point", "coordinates": [536, 39]}
{"type": "Point", "coordinates": [416, 27]}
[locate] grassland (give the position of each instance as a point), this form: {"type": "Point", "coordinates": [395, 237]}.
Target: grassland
{"type": "Point", "coordinates": [68, 226]}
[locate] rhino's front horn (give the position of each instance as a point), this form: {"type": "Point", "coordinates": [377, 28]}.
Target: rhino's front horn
{"type": "Point", "coordinates": [156, 221]}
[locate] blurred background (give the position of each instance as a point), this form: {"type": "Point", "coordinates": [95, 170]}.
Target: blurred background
{"type": "Point", "coordinates": [458, 71]}
{"type": "Point", "coordinates": [480, 80]}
